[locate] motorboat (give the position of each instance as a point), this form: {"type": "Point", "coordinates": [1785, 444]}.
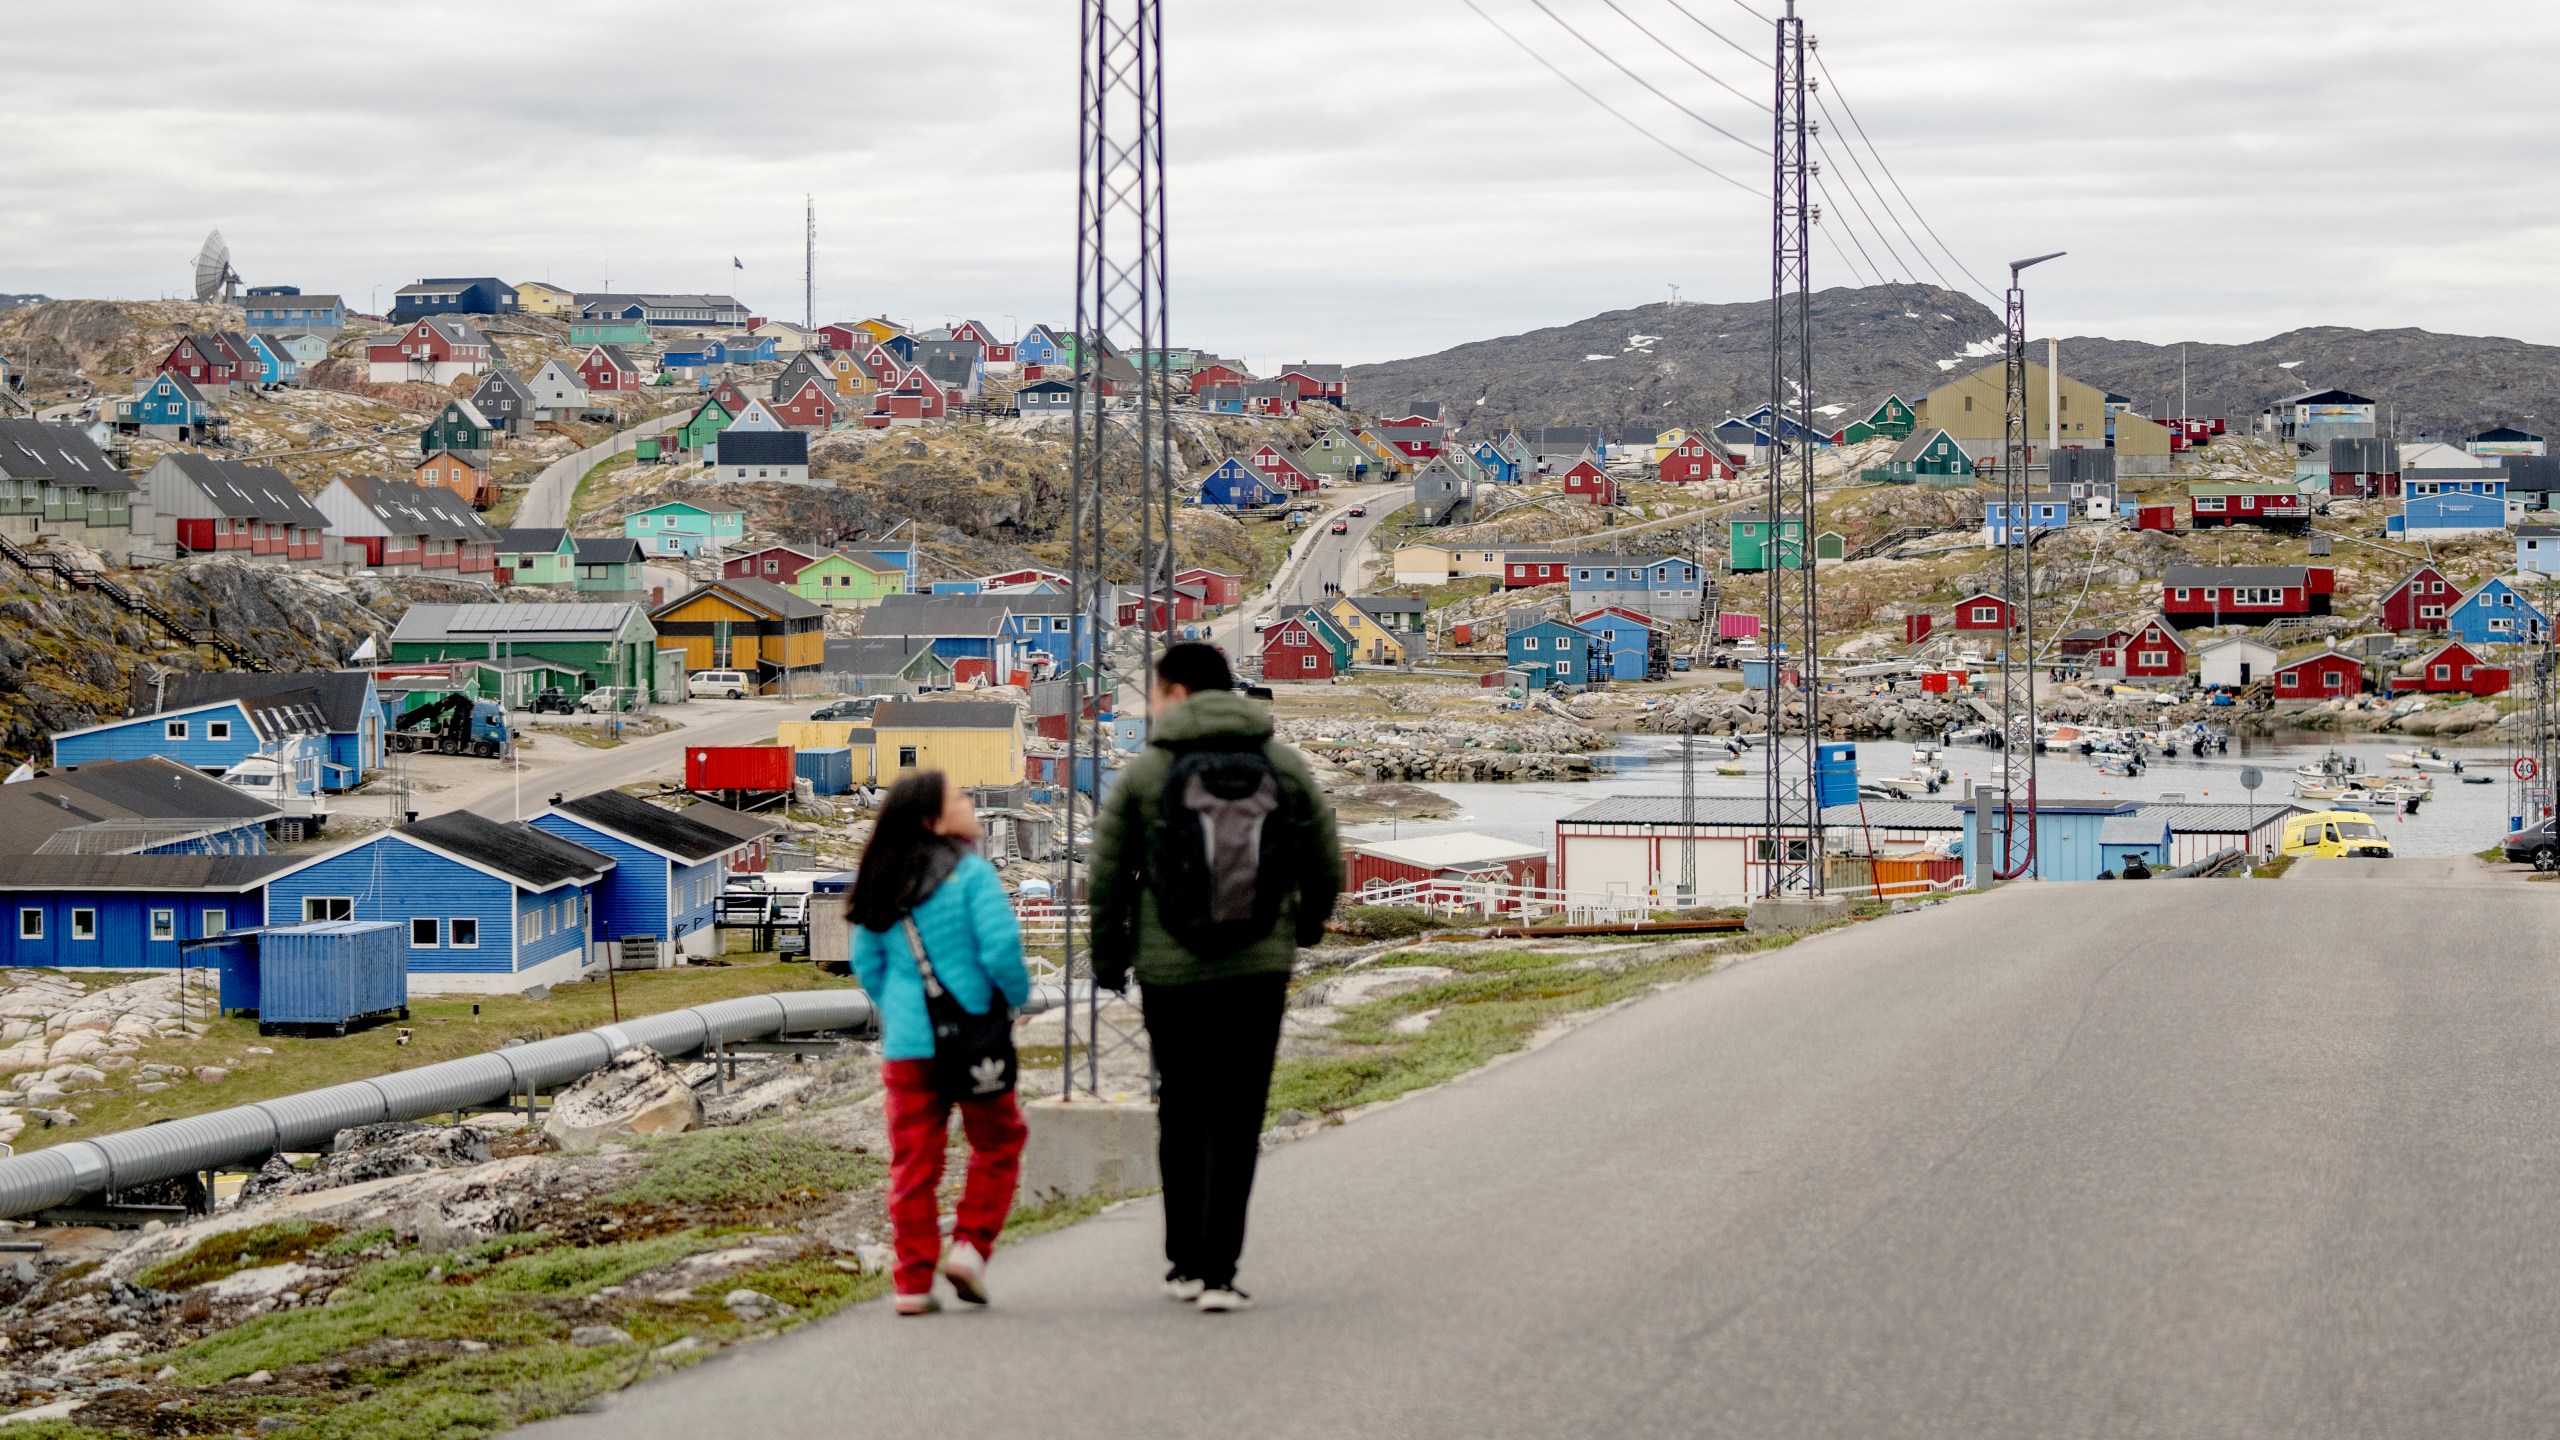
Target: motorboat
{"type": "Point", "coordinates": [2427, 759]}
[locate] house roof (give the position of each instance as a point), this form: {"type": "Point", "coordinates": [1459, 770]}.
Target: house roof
{"type": "Point", "coordinates": [883, 655]}
{"type": "Point", "coordinates": [2221, 575]}
{"type": "Point", "coordinates": [671, 832]}
{"type": "Point", "coordinates": [2503, 433]}
{"type": "Point", "coordinates": [473, 458]}
{"type": "Point", "coordinates": [153, 788]}
{"type": "Point", "coordinates": [429, 510]}
{"type": "Point", "coordinates": [945, 715]}
{"type": "Point", "coordinates": [250, 491]}
{"type": "Point", "coordinates": [2325, 397]}
{"type": "Point", "coordinates": [340, 694]}
{"type": "Point", "coordinates": [614, 356]}
{"type": "Point", "coordinates": [755, 594]}
{"type": "Point", "coordinates": [139, 872]}
{"type": "Point", "coordinates": [544, 621]}
{"type": "Point", "coordinates": [764, 447]}
{"type": "Point", "coordinates": [611, 550]}
{"type": "Point", "coordinates": [1442, 852]}
{"type": "Point", "coordinates": [533, 541]}
{"type": "Point", "coordinates": [58, 455]}
{"type": "Point", "coordinates": [1390, 604]}
{"type": "Point", "coordinates": [516, 850]}
{"type": "Point", "coordinates": [732, 822]}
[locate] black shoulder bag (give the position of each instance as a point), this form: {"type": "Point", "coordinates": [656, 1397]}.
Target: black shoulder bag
{"type": "Point", "coordinates": [973, 1055]}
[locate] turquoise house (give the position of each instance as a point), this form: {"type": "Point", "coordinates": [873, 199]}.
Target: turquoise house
{"type": "Point", "coordinates": [680, 528]}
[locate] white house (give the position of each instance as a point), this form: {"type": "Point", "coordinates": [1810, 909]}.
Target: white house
{"type": "Point", "coordinates": [558, 393]}
{"type": "Point", "coordinates": [2236, 662]}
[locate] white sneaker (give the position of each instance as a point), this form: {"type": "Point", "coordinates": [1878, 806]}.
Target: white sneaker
{"type": "Point", "coordinates": [1225, 1301]}
{"type": "Point", "coordinates": [966, 1269]}
{"type": "Point", "coordinates": [917, 1304]}
{"type": "Point", "coordinates": [1179, 1288]}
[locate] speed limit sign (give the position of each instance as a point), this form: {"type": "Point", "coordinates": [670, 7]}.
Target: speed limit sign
{"type": "Point", "coordinates": [2525, 768]}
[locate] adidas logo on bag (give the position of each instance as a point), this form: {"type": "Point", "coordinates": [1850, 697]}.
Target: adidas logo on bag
{"type": "Point", "coordinates": [987, 1075]}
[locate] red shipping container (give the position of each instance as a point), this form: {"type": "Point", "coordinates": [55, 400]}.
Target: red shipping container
{"type": "Point", "coordinates": [1737, 627]}
{"type": "Point", "coordinates": [2155, 517]}
{"type": "Point", "coordinates": [1462, 633]}
{"type": "Point", "coordinates": [738, 767]}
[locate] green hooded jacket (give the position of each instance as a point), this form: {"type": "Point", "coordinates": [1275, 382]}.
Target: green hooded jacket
{"type": "Point", "coordinates": [1126, 932]}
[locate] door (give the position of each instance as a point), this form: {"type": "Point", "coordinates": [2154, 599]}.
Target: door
{"type": "Point", "coordinates": [2244, 672]}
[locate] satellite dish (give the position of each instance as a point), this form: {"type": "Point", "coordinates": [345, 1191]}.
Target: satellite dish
{"type": "Point", "coordinates": [215, 279]}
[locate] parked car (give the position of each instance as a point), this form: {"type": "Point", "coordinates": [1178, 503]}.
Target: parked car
{"type": "Point", "coordinates": [720, 684]}
{"type": "Point", "coordinates": [1679, 662]}
{"type": "Point", "coordinates": [553, 701]}
{"type": "Point", "coordinates": [858, 709]}
{"type": "Point", "coordinates": [2537, 845]}
{"type": "Point", "coordinates": [609, 700]}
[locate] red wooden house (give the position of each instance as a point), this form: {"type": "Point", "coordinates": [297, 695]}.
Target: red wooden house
{"type": "Point", "coordinates": [1292, 650]}
{"type": "Point", "coordinates": [2247, 504]}
{"type": "Point", "coordinates": [1217, 587]}
{"type": "Point", "coordinates": [2244, 594]}
{"type": "Point", "coordinates": [1695, 459]}
{"type": "Point", "coordinates": [916, 397]}
{"type": "Point", "coordinates": [1982, 611]}
{"type": "Point", "coordinates": [1185, 606]}
{"type": "Point", "coordinates": [840, 339]}
{"type": "Point", "coordinates": [1283, 470]}
{"type": "Point", "coordinates": [2320, 677]}
{"type": "Point", "coordinates": [2421, 602]}
{"type": "Point", "coordinates": [811, 407]}
{"type": "Point", "coordinates": [2150, 651]}
{"type": "Point", "coordinates": [206, 505]}
{"type": "Point", "coordinates": [1459, 858]}
{"type": "Point", "coordinates": [1415, 439]}
{"type": "Point", "coordinates": [1315, 381]}
{"type": "Point", "coordinates": [1585, 478]}
{"type": "Point", "coordinates": [1028, 575]}
{"type": "Point", "coordinates": [435, 350]}
{"type": "Point", "coordinates": [776, 564]}
{"type": "Point", "coordinates": [1526, 568]}
{"type": "Point", "coordinates": [605, 367]}
{"type": "Point", "coordinates": [1219, 374]}
{"type": "Point", "coordinates": [2455, 670]}
{"type": "Point", "coordinates": [990, 349]}
{"type": "Point", "coordinates": [884, 366]}
{"type": "Point", "coordinates": [201, 362]}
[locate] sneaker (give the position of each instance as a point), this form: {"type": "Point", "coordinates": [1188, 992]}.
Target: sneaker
{"type": "Point", "coordinates": [1224, 1300]}
{"type": "Point", "coordinates": [966, 1269]}
{"type": "Point", "coordinates": [923, 1304]}
{"type": "Point", "coordinates": [1182, 1288]}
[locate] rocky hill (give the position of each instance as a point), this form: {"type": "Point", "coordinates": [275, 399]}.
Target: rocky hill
{"type": "Point", "coordinates": [1666, 364]}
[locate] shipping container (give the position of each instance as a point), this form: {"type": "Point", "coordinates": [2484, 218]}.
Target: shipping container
{"type": "Point", "coordinates": [329, 972]}
{"type": "Point", "coordinates": [738, 767]}
{"type": "Point", "coordinates": [1731, 626]}
{"type": "Point", "coordinates": [828, 771]}
{"type": "Point", "coordinates": [1462, 633]}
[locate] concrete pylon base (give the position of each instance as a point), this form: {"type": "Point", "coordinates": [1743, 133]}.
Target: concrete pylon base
{"type": "Point", "coordinates": [1088, 1147]}
{"type": "Point", "coordinates": [1778, 913]}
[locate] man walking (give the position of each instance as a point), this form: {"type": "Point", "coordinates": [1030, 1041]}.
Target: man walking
{"type": "Point", "coordinates": [1214, 861]}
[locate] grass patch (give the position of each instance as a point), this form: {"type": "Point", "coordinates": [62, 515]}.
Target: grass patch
{"type": "Point", "coordinates": [442, 1027]}
{"type": "Point", "coordinates": [2272, 869]}
{"type": "Point", "coordinates": [2495, 854]}
{"type": "Point", "coordinates": [1389, 922]}
{"type": "Point", "coordinates": [234, 1251]}
{"type": "Point", "coordinates": [733, 1167]}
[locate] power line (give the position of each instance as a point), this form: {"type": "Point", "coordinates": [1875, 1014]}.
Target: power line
{"type": "Point", "coordinates": [1825, 192]}
{"type": "Point", "coordinates": [1845, 262]}
{"type": "Point", "coordinates": [1616, 64]}
{"type": "Point", "coordinates": [1851, 111]}
{"type": "Point", "coordinates": [1754, 14]}
{"type": "Point", "coordinates": [1757, 59]}
{"type": "Point", "coordinates": [1881, 238]}
{"type": "Point", "coordinates": [1622, 117]}
{"type": "Point", "coordinates": [1861, 167]}
{"type": "Point", "coordinates": [1759, 105]}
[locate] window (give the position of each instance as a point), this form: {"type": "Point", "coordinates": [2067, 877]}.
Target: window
{"type": "Point", "coordinates": [31, 924]}
{"type": "Point", "coordinates": [423, 933]}
{"type": "Point", "coordinates": [466, 933]}
{"type": "Point", "coordinates": [1306, 662]}
{"type": "Point", "coordinates": [175, 729]}
{"type": "Point", "coordinates": [216, 922]}
{"type": "Point", "coordinates": [1529, 642]}
{"type": "Point", "coordinates": [2430, 612]}
{"type": "Point", "coordinates": [2444, 672]}
{"type": "Point", "coordinates": [217, 729]}
{"type": "Point", "coordinates": [1986, 614]}
{"type": "Point", "coordinates": [328, 907]}
{"type": "Point", "coordinates": [1564, 667]}
{"type": "Point", "coordinates": [2208, 502]}
{"type": "Point", "coordinates": [2151, 658]}
{"type": "Point", "coordinates": [906, 757]}
{"type": "Point", "coordinates": [164, 924]}
{"type": "Point", "coordinates": [2179, 595]}
{"type": "Point", "coordinates": [84, 924]}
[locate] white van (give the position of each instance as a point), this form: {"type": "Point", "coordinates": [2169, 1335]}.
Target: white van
{"type": "Point", "coordinates": [720, 684]}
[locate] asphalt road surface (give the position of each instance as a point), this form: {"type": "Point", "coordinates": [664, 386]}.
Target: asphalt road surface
{"type": "Point", "coordinates": [1317, 559]}
{"type": "Point", "coordinates": [2176, 1159]}
{"type": "Point", "coordinates": [492, 790]}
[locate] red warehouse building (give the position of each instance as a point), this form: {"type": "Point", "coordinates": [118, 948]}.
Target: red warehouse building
{"type": "Point", "coordinates": [2319, 677]}
{"type": "Point", "coordinates": [1448, 859]}
{"type": "Point", "coordinates": [2454, 670]}
{"type": "Point", "coordinates": [2420, 603]}
{"type": "Point", "coordinates": [1983, 611]}
{"type": "Point", "coordinates": [1217, 587]}
{"type": "Point", "coordinates": [2244, 594]}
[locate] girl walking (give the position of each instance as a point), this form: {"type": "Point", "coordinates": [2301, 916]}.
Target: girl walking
{"type": "Point", "coordinates": [926, 904]}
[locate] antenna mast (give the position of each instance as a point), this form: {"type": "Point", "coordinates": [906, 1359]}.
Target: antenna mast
{"type": "Point", "coordinates": [809, 268]}
{"type": "Point", "coordinates": [1793, 805]}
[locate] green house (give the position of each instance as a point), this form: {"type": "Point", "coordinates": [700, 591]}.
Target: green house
{"type": "Point", "coordinates": [1750, 534]}
{"type": "Point", "coordinates": [605, 644]}
{"type": "Point", "coordinates": [679, 528]}
{"type": "Point", "coordinates": [609, 331]}
{"type": "Point", "coordinates": [514, 681]}
{"type": "Point", "coordinates": [609, 568]}
{"type": "Point", "coordinates": [1930, 457]}
{"type": "Point", "coordinates": [1830, 545]}
{"type": "Point", "coordinates": [705, 426]}
{"type": "Point", "coordinates": [458, 427]}
{"type": "Point", "coordinates": [1335, 456]}
{"type": "Point", "coordinates": [1894, 419]}
{"type": "Point", "coordinates": [843, 580]}
{"type": "Point", "coordinates": [538, 557]}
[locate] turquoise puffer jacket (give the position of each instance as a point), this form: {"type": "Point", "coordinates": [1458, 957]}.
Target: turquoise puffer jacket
{"type": "Point", "coordinates": [969, 934]}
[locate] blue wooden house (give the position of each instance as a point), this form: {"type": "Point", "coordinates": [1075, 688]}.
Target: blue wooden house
{"type": "Point", "coordinates": [1234, 485]}
{"type": "Point", "coordinates": [690, 353]}
{"type": "Point", "coordinates": [2538, 549]}
{"type": "Point", "coordinates": [1551, 653]}
{"type": "Point", "coordinates": [1666, 587]}
{"type": "Point", "coordinates": [483, 906]}
{"type": "Point", "coordinates": [747, 349]}
{"type": "Point", "coordinates": [2048, 511]}
{"type": "Point", "coordinates": [667, 868]}
{"type": "Point", "coordinates": [290, 313]}
{"type": "Point", "coordinates": [902, 346]}
{"type": "Point", "coordinates": [341, 709]}
{"type": "Point", "coordinates": [211, 736]}
{"type": "Point", "coordinates": [126, 912]}
{"type": "Point", "coordinates": [167, 403]}
{"type": "Point", "coordinates": [276, 364]}
{"type": "Point", "coordinates": [2493, 614]}
{"type": "Point", "coordinates": [2074, 839]}
{"type": "Point", "coordinates": [1039, 346]}
{"type": "Point", "coordinates": [1625, 646]}
{"type": "Point", "coordinates": [1501, 468]}
{"type": "Point", "coordinates": [2448, 513]}
{"type": "Point", "coordinates": [1046, 622]}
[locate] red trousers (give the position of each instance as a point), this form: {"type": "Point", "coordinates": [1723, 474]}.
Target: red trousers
{"type": "Point", "coordinates": [919, 1134]}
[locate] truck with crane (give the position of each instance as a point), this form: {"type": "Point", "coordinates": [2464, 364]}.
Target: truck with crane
{"type": "Point", "coordinates": [452, 724]}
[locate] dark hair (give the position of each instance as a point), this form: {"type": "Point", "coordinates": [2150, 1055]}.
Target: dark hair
{"type": "Point", "coordinates": [904, 857]}
{"type": "Point", "coordinates": [1195, 667]}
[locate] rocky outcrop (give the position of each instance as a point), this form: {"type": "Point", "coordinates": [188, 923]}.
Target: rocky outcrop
{"type": "Point", "coordinates": [1526, 748]}
{"type": "Point", "coordinates": [639, 1093]}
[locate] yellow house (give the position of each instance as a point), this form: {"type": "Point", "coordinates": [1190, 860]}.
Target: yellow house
{"type": "Point", "coordinates": [1423, 565]}
{"type": "Point", "coordinates": [975, 742]}
{"type": "Point", "coordinates": [540, 297]}
{"type": "Point", "coordinates": [880, 328]}
{"type": "Point", "coordinates": [1975, 407]}
{"type": "Point", "coordinates": [1371, 643]}
{"type": "Point", "coordinates": [1393, 460]}
{"type": "Point", "coordinates": [751, 625]}
{"type": "Point", "coordinates": [851, 379]}
{"type": "Point", "coordinates": [1668, 441]}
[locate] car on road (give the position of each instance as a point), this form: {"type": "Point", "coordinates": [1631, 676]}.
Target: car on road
{"type": "Point", "coordinates": [859, 709]}
{"type": "Point", "coordinates": [2537, 845]}
{"type": "Point", "coordinates": [719, 684]}
{"type": "Point", "coordinates": [2335, 835]}
{"type": "Point", "coordinates": [553, 701]}
{"type": "Point", "coordinates": [1679, 662]}
{"type": "Point", "coordinates": [1359, 512]}
{"type": "Point", "coordinates": [609, 700]}
{"type": "Point", "coordinates": [1341, 527]}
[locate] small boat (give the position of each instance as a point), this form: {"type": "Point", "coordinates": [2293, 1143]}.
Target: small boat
{"type": "Point", "coordinates": [2121, 766]}
{"type": "Point", "coordinates": [2428, 759]}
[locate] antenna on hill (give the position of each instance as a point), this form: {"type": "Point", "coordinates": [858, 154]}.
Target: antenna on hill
{"type": "Point", "coordinates": [215, 279]}
{"type": "Point", "coordinates": [809, 269]}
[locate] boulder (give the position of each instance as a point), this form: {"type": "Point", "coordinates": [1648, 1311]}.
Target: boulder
{"type": "Point", "coordinates": [638, 1093]}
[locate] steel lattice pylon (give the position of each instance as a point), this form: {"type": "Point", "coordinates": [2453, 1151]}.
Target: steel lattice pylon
{"type": "Point", "coordinates": [1120, 522]}
{"type": "Point", "coordinates": [1792, 846]}
{"type": "Point", "coordinates": [2017, 593]}
{"type": "Point", "coordinates": [2537, 726]}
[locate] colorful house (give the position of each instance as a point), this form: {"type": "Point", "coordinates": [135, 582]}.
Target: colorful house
{"type": "Point", "coordinates": [811, 406]}
{"type": "Point", "coordinates": [702, 429]}
{"type": "Point", "coordinates": [2246, 504]}
{"type": "Point", "coordinates": [459, 426]}
{"type": "Point", "coordinates": [775, 564]}
{"type": "Point", "coordinates": [2152, 651]}
{"type": "Point", "coordinates": [1526, 569]}
{"type": "Point", "coordinates": [1040, 346]}
{"type": "Point", "coordinates": [430, 351]}
{"type": "Point", "coordinates": [668, 870]}
{"type": "Point", "coordinates": [1232, 484]}
{"type": "Point", "coordinates": [610, 567]}
{"type": "Point", "coordinates": [609, 330]}
{"type": "Point", "coordinates": [679, 527]}
{"type": "Point", "coordinates": [276, 364]}
{"type": "Point", "coordinates": [1627, 645]}
{"type": "Point", "coordinates": [1551, 653]}
{"type": "Point", "coordinates": [558, 393]}
{"type": "Point", "coordinates": [748, 625]}
{"type": "Point", "coordinates": [1304, 647]}
{"type": "Point", "coordinates": [2244, 594]}
{"type": "Point", "coordinates": [506, 402]}
{"type": "Point", "coordinates": [1927, 457]}
{"type": "Point", "coordinates": [2420, 603]}
{"type": "Point", "coordinates": [409, 529]}
{"type": "Point", "coordinates": [211, 721]}
{"type": "Point", "coordinates": [466, 473]}
{"type": "Point", "coordinates": [58, 486]}
{"type": "Point", "coordinates": [608, 643]}
{"type": "Point", "coordinates": [2319, 677]}
{"type": "Point", "coordinates": [969, 632]}
{"type": "Point", "coordinates": [1217, 587]}
{"type": "Point", "coordinates": [1666, 588]}
{"type": "Point", "coordinates": [1375, 638]}
{"type": "Point", "coordinates": [978, 743]}
{"type": "Point", "coordinates": [1750, 536]}
{"type": "Point", "coordinates": [1584, 478]}
{"type": "Point", "coordinates": [284, 314]}
{"type": "Point", "coordinates": [607, 368]}
{"type": "Point", "coordinates": [1283, 470]}
{"type": "Point", "coordinates": [537, 556]}
{"type": "Point", "coordinates": [744, 454]}
{"type": "Point", "coordinates": [453, 295]}
{"type": "Point", "coordinates": [846, 580]}
{"type": "Point", "coordinates": [202, 362]}
{"type": "Point", "coordinates": [2495, 613]}
{"type": "Point", "coordinates": [1695, 458]}
{"type": "Point", "coordinates": [201, 505]}
{"type": "Point", "coordinates": [1983, 611]}
{"type": "Point", "coordinates": [168, 407]}
{"type": "Point", "coordinates": [2454, 669]}
{"type": "Point", "coordinates": [2044, 511]}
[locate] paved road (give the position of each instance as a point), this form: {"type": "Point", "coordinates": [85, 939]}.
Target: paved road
{"type": "Point", "coordinates": [546, 502]}
{"type": "Point", "coordinates": [493, 791]}
{"type": "Point", "coordinates": [2177, 1159]}
{"type": "Point", "coordinates": [1316, 559]}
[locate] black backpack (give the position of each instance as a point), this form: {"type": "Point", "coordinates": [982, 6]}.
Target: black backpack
{"type": "Point", "coordinates": [1226, 849]}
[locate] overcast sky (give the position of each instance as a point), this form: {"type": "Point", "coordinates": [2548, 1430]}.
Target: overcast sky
{"type": "Point", "coordinates": [1351, 179]}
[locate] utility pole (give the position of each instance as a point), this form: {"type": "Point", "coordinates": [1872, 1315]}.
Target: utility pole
{"type": "Point", "coordinates": [2017, 591]}
{"type": "Point", "coordinates": [809, 267]}
{"type": "Point", "coordinates": [1792, 804]}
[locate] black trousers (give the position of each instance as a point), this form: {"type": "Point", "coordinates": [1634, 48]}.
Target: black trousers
{"type": "Point", "coordinates": [1214, 1044]}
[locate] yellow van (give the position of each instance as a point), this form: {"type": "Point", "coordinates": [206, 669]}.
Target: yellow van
{"type": "Point", "coordinates": [2335, 834]}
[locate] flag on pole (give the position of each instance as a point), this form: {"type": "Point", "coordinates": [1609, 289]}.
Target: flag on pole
{"type": "Point", "coordinates": [734, 260]}
{"type": "Point", "coordinates": [23, 772]}
{"type": "Point", "coordinates": [363, 652]}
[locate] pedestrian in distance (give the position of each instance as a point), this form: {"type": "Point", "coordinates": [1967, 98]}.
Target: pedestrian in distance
{"type": "Point", "coordinates": [936, 947]}
{"type": "Point", "coordinates": [1214, 860]}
